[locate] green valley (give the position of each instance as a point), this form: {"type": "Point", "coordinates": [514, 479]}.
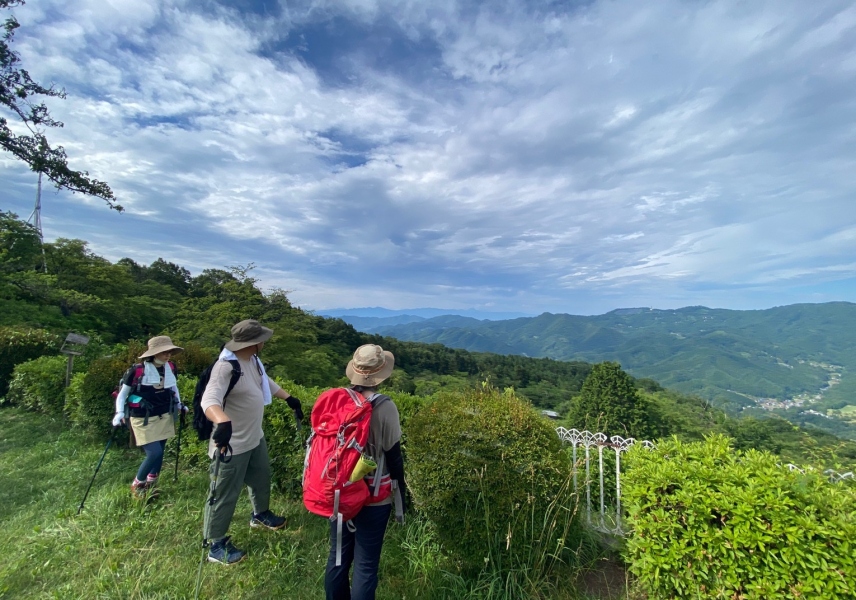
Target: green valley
{"type": "Point", "coordinates": [797, 361]}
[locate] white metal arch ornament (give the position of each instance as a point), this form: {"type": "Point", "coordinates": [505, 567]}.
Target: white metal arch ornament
{"type": "Point", "coordinates": [607, 518]}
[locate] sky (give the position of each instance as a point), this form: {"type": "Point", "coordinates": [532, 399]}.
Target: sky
{"type": "Point", "coordinates": [573, 157]}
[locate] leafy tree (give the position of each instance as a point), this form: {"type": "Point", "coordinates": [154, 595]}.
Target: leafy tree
{"type": "Point", "coordinates": [18, 95]}
{"type": "Point", "coordinates": [20, 246]}
{"type": "Point", "coordinates": [135, 270]}
{"type": "Point", "coordinates": [171, 274]}
{"type": "Point", "coordinates": [609, 402]}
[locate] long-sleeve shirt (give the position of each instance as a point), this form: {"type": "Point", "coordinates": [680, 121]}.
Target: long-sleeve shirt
{"type": "Point", "coordinates": [384, 433]}
{"type": "Point", "coordinates": [244, 405]}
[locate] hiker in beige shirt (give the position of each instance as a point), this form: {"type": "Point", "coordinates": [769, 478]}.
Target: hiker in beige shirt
{"type": "Point", "coordinates": [237, 445]}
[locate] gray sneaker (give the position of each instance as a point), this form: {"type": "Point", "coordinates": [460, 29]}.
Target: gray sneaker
{"type": "Point", "coordinates": [224, 552]}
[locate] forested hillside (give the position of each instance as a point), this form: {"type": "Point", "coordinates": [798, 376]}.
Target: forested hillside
{"type": "Point", "coordinates": [798, 361]}
{"type": "Point", "coordinates": [68, 288]}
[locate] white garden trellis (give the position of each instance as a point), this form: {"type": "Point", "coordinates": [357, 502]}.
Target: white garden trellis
{"type": "Point", "coordinates": [608, 519]}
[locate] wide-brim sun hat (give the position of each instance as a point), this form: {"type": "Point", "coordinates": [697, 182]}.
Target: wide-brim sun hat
{"type": "Point", "coordinates": [158, 344]}
{"type": "Point", "coordinates": [248, 332]}
{"type": "Point", "coordinates": [370, 366]}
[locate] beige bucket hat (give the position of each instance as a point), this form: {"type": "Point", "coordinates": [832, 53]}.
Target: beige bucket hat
{"type": "Point", "coordinates": [158, 344]}
{"type": "Point", "coordinates": [248, 332]}
{"type": "Point", "coordinates": [370, 366]}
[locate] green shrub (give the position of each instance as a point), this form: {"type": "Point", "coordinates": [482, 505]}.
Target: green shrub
{"type": "Point", "coordinates": [712, 522]}
{"type": "Point", "coordinates": [39, 384]}
{"type": "Point", "coordinates": [72, 393]}
{"type": "Point", "coordinates": [186, 388]}
{"type": "Point", "coordinates": [19, 345]}
{"type": "Point", "coordinates": [94, 407]}
{"type": "Point", "coordinates": [193, 361]}
{"type": "Point", "coordinates": [491, 475]}
{"type": "Point", "coordinates": [286, 446]}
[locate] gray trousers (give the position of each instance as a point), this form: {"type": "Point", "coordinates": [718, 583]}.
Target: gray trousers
{"type": "Point", "coordinates": [248, 468]}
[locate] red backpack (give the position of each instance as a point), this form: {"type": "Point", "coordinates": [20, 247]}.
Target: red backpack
{"type": "Point", "coordinates": [340, 431]}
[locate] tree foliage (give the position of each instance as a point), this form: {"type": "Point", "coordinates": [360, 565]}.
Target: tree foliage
{"type": "Point", "coordinates": [20, 344]}
{"type": "Point", "coordinates": [609, 402]}
{"type": "Point", "coordinates": [20, 95]}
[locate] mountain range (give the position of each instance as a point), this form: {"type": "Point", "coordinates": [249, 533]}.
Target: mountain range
{"type": "Point", "coordinates": [797, 360]}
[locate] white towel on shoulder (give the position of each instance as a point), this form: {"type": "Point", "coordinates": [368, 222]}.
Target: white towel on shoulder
{"type": "Point", "coordinates": [227, 354]}
{"type": "Point", "coordinates": [152, 377]}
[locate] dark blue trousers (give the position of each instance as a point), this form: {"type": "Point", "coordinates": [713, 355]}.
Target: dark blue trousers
{"type": "Point", "coordinates": [153, 461]}
{"type": "Point", "coordinates": [362, 549]}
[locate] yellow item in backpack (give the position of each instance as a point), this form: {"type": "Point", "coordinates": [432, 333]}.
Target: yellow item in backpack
{"type": "Point", "coordinates": [364, 466]}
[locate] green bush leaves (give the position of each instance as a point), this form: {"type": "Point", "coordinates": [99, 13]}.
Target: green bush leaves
{"type": "Point", "coordinates": [481, 463]}
{"type": "Point", "coordinates": [712, 522]}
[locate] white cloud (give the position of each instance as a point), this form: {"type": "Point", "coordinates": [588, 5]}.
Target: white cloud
{"type": "Point", "coordinates": [454, 149]}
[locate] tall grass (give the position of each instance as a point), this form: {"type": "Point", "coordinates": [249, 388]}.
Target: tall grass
{"type": "Point", "coordinates": [121, 548]}
{"type": "Point", "coordinates": [537, 552]}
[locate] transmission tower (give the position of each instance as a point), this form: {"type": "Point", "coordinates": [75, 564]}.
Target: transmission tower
{"type": "Point", "coordinates": [36, 221]}
{"type": "Point", "coordinates": [36, 217]}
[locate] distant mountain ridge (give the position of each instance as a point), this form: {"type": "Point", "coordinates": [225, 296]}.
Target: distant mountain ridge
{"type": "Point", "coordinates": [424, 313]}
{"type": "Point", "coordinates": [802, 356]}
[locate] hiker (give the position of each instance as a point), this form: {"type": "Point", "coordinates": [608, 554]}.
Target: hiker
{"type": "Point", "coordinates": [361, 544]}
{"type": "Point", "coordinates": [237, 441]}
{"type": "Point", "coordinates": [153, 402]}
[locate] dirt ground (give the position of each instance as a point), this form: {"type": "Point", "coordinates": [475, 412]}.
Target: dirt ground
{"type": "Point", "coordinates": [607, 580]}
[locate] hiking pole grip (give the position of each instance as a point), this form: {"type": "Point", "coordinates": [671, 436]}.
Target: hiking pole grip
{"type": "Point", "coordinates": [97, 467]}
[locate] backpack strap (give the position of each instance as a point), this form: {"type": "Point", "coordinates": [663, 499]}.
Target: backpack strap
{"type": "Point", "coordinates": [236, 375]}
{"type": "Point", "coordinates": [376, 400]}
{"type": "Point", "coordinates": [139, 371]}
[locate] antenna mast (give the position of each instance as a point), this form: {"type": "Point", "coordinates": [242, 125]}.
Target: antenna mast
{"type": "Point", "coordinates": [36, 220]}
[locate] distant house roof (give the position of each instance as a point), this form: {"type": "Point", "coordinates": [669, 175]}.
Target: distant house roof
{"type": "Point", "coordinates": [550, 414]}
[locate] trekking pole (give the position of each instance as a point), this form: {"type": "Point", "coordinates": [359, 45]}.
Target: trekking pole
{"type": "Point", "coordinates": [212, 499]}
{"type": "Point", "coordinates": [178, 448]}
{"type": "Point", "coordinates": [107, 447]}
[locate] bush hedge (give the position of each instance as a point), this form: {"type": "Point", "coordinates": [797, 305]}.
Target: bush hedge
{"type": "Point", "coordinates": [712, 522]}
{"type": "Point", "coordinates": [93, 407]}
{"type": "Point", "coordinates": [193, 360]}
{"type": "Point", "coordinates": [18, 345]}
{"type": "Point", "coordinates": [481, 464]}
{"type": "Point", "coordinates": [39, 384]}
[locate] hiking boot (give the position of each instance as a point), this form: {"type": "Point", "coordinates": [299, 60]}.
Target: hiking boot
{"type": "Point", "coordinates": [152, 486]}
{"type": "Point", "coordinates": [268, 520]}
{"type": "Point", "coordinates": [139, 489]}
{"type": "Point", "coordinates": [224, 552]}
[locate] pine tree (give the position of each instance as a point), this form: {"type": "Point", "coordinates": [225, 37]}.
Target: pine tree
{"type": "Point", "coordinates": [609, 402]}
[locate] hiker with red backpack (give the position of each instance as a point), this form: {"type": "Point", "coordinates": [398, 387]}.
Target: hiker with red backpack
{"type": "Point", "coordinates": [237, 446]}
{"type": "Point", "coordinates": [150, 401]}
{"type": "Point", "coordinates": [354, 472]}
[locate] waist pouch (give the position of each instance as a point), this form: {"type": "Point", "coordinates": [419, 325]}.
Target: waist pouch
{"type": "Point", "coordinates": [141, 407]}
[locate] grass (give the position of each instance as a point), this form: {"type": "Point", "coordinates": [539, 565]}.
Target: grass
{"type": "Point", "coordinates": [118, 547]}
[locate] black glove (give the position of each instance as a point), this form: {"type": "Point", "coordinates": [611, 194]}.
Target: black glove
{"type": "Point", "coordinates": [222, 434]}
{"type": "Point", "coordinates": [294, 404]}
